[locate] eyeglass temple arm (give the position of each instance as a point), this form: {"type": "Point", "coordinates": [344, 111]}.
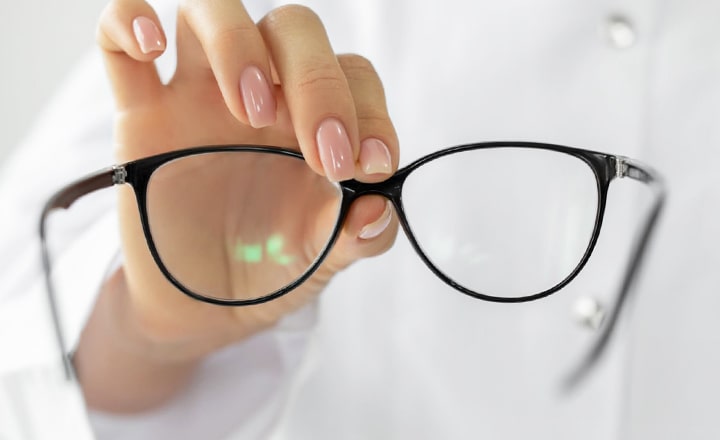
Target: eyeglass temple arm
{"type": "Point", "coordinates": [635, 170]}
{"type": "Point", "coordinates": [64, 199]}
{"type": "Point", "coordinates": [625, 168]}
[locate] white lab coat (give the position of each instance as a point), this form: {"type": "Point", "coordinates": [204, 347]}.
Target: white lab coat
{"type": "Point", "coordinates": [390, 351]}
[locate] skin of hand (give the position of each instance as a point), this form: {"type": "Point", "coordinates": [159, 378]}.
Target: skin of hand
{"type": "Point", "coordinates": [275, 82]}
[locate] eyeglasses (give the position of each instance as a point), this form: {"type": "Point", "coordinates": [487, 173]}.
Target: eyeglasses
{"type": "Point", "coordinates": [499, 221]}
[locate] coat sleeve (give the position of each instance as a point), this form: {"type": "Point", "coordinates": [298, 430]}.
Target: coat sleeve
{"type": "Point", "coordinates": [73, 137]}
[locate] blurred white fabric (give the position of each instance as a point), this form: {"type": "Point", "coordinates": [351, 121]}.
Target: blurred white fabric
{"type": "Point", "coordinates": [41, 42]}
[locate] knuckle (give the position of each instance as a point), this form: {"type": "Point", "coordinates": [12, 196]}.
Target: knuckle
{"type": "Point", "coordinates": [290, 13]}
{"type": "Point", "coordinates": [229, 38]}
{"type": "Point", "coordinates": [101, 36]}
{"type": "Point", "coordinates": [107, 14]}
{"type": "Point", "coordinates": [373, 118]}
{"type": "Point", "coordinates": [321, 76]}
{"type": "Point", "coordinates": [193, 6]}
{"type": "Point", "coordinates": [113, 30]}
{"type": "Point", "coordinates": [108, 17]}
{"type": "Point", "coordinates": [356, 65]}
{"type": "Point", "coordinates": [360, 73]}
{"type": "Point", "coordinates": [225, 34]}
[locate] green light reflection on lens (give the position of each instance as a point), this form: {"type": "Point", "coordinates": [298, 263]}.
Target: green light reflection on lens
{"type": "Point", "coordinates": [249, 253]}
{"type": "Point", "coordinates": [274, 247]}
{"type": "Point", "coordinates": [253, 253]}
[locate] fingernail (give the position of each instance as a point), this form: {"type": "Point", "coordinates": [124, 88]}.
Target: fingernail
{"type": "Point", "coordinates": [375, 157]}
{"type": "Point", "coordinates": [257, 97]}
{"type": "Point", "coordinates": [378, 226]}
{"type": "Point", "coordinates": [148, 35]}
{"type": "Point", "coordinates": [335, 150]}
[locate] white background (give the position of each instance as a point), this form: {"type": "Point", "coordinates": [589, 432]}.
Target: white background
{"type": "Point", "coordinates": [40, 40]}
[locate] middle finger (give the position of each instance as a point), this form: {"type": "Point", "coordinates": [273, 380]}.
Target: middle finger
{"type": "Point", "coordinates": [317, 93]}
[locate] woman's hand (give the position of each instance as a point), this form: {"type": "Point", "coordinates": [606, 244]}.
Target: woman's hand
{"type": "Point", "coordinates": [277, 82]}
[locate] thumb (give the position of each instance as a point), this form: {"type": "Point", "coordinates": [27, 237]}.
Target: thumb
{"type": "Point", "coordinates": [369, 230]}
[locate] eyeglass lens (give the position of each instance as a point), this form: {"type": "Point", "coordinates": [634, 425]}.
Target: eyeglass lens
{"type": "Point", "coordinates": [504, 222]}
{"type": "Point", "coordinates": [239, 225]}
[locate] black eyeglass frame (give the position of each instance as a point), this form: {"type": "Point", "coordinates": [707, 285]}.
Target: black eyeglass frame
{"type": "Point", "coordinates": [137, 173]}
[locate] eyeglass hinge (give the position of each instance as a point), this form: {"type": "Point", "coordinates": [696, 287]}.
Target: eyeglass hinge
{"type": "Point", "coordinates": [119, 175]}
{"type": "Point", "coordinates": [621, 166]}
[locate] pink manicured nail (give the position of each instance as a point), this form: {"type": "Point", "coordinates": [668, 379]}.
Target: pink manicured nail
{"type": "Point", "coordinates": [375, 157]}
{"type": "Point", "coordinates": [378, 226]}
{"type": "Point", "coordinates": [148, 35]}
{"type": "Point", "coordinates": [335, 150]}
{"type": "Point", "coordinates": [257, 97]}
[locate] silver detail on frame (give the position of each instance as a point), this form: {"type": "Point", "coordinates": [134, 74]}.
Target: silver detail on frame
{"type": "Point", "coordinates": [119, 175]}
{"type": "Point", "coordinates": [621, 167]}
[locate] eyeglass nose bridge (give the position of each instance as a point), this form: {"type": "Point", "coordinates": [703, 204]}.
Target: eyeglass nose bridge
{"type": "Point", "coordinates": [390, 188]}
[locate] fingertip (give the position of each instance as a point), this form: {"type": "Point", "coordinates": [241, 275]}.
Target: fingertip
{"type": "Point", "coordinates": [370, 229]}
{"type": "Point", "coordinates": [375, 159]}
{"type": "Point", "coordinates": [379, 228]}
{"type": "Point", "coordinates": [148, 35]}
{"type": "Point", "coordinates": [258, 97]}
{"type": "Point", "coordinates": [133, 28]}
{"type": "Point", "coordinates": [369, 217]}
{"type": "Point", "coordinates": [379, 225]}
{"type": "Point", "coordinates": [335, 150]}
